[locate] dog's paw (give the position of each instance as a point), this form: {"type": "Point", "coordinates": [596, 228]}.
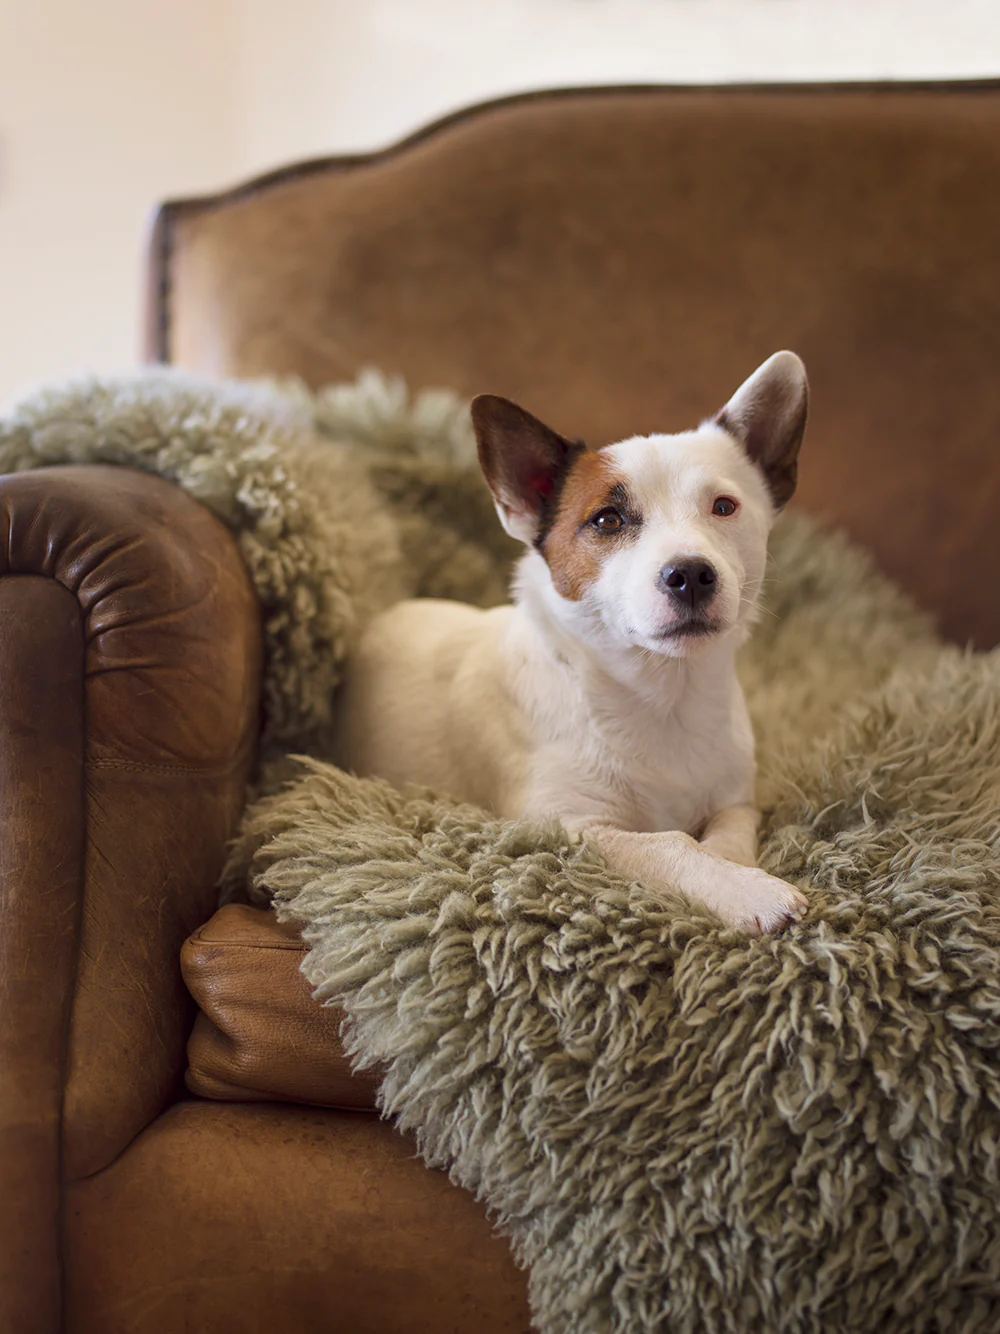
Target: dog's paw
{"type": "Point", "coordinates": [758, 902]}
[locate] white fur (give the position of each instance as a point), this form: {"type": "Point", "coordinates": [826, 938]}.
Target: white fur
{"type": "Point", "coordinates": [675, 479]}
{"type": "Point", "coordinates": [581, 709]}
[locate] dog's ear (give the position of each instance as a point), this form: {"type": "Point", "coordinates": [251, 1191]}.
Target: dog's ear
{"type": "Point", "coordinates": [767, 415]}
{"type": "Point", "coordinates": [524, 463]}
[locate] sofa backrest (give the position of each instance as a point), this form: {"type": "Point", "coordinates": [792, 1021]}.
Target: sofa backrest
{"type": "Point", "coordinates": [618, 260]}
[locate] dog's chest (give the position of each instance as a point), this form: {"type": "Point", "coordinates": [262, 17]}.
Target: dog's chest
{"type": "Point", "coordinates": [645, 764]}
{"type": "Point", "coordinates": [671, 770]}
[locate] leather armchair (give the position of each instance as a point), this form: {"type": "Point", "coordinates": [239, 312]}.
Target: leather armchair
{"type": "Point", "coordinates": [129, 712]}
{"type": "Point", "coordinates": [129, 681]}
{"type": "Point", "coordinates": [615, 259]}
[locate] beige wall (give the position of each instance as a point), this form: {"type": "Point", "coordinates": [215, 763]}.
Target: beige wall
{"type": "Point", "coordinates": [109, 105]}
{"type": "Point", "coordinates": [366, 71]}
{"type": "Point", "coordinates": [104, 107]}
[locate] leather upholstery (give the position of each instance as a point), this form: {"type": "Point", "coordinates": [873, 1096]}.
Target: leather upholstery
{"type": "Point", "coordinates": [224, 1219]}
{"type": "Point", "coordinates": [259, 1034]}
{"type": "Point", "coordinates": [619, 260]}
{"type": "Point", "coordinates": [41, 872]}
{"type": "Point", "coordinates": [129, 685]}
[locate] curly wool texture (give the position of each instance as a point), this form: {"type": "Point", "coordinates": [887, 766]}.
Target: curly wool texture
{"type": "Point", "coordinates": [681, 1128]}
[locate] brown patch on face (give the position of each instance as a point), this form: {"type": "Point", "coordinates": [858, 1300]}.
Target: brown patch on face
{"type": "Point", "coordinates": [573, 549]}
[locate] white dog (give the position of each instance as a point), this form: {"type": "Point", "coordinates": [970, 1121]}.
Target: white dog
{"type": "Point", "coordinates": [607, 694]}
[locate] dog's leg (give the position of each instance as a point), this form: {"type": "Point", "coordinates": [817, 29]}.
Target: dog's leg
{"type": "Point", "coordinates": [743, 896]}
{"type": "Point", "coordinates": [732, 834]}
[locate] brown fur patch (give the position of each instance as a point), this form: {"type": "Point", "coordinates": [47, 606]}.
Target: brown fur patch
{"type": "Point", "coordinates": [573, 549]}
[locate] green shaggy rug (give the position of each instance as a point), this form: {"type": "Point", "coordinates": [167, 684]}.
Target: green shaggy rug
{"type": "Point", "coordinates": [680, 1128]}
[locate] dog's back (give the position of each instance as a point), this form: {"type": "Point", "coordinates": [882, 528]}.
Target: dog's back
{"type": "Point", "coordinates": [424, 701]}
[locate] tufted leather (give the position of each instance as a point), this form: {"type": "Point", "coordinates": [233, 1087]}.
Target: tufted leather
{"type": "Point", "coordinates": [227, 1219]}
{"type": "Point", "coordinates": [618, 260]}
{"type": "Point", "coordinates": [129, 666]}
{"type": "Point", "coordinates": [259, 1034]}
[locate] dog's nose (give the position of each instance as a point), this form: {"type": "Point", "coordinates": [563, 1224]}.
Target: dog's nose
{"type": "Point", "coordinates": [690, 581]}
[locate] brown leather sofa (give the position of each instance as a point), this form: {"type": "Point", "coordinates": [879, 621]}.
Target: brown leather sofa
{"type": "Point", "coordinates": [617, 260]}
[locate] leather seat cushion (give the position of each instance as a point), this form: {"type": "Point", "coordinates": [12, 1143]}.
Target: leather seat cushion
{"type": "Point", "coordinates": [245, 1220]}
{"type": "Point", "coordinates": [259, 1035]}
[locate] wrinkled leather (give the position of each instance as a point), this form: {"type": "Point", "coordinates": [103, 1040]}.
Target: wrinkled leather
{"type": "Point", "coordinates": [260, 1035]}
{"type": "Point", "coordinates": [229, 1219]}
{"type": "Point", "coordinates": [619, 260]}
{"type": "Point", "coordinates": [169, 631]}
{"type": "Point", "coordinates": [41, 875]}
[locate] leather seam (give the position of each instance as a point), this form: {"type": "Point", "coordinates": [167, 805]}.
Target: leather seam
{"type": "Point", "coordinates": [251, 944]}
{"type": "Point", "coordinates": [181, 770]}
{"type": "Point", "coordinates": [61, 1222]}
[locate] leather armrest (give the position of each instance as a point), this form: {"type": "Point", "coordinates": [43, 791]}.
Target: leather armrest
{"type": "Point", "coordinates": [129, 696]}
{"type": "Point", "coordinates": [260, 1036]}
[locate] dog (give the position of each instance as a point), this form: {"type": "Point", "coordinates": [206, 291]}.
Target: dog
{"type": "Point", "coordinates": [606, 695]}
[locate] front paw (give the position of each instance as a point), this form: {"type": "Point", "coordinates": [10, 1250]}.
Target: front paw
{"type": "Point", "coordinates": [758, 902]}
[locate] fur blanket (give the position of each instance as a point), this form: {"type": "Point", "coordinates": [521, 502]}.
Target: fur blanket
{"type": "Point", "coordinates": [679, 1128]}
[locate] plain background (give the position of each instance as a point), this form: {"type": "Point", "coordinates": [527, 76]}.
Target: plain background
{"type": "Point", "coordinates": [110, 105]}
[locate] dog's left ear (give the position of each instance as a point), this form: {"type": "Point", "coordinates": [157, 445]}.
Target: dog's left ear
{"type": "Point", "coordinates": [767, 415]}
{"type": "Point", "coordinates": [524, 463]}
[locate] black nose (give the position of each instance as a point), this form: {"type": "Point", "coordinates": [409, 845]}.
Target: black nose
{"type": "Point", "coordinates": [690, 581]}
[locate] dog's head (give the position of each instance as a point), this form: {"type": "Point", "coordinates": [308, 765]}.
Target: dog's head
{"type": "Point", "coordinates": [663, 538]}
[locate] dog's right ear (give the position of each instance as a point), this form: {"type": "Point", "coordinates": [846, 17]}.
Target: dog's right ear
{"type": "Point", "coordinates": [524, 463]}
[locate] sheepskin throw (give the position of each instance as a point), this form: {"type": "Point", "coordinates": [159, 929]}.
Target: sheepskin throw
{"type": "Point", "coordinates": [681, 1129]}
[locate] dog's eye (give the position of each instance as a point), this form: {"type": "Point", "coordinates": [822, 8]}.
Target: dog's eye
{"type": "Point", "coordinates": [724, 506]}
{"type": "Point", "coordinates": [608, 521]}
